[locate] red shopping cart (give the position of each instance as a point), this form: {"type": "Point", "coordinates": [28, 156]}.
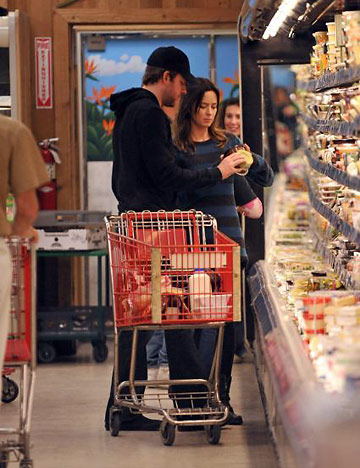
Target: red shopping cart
{"type": "Point", "coordinates": [172, 270]}
{"type": "Point", "coordinates": [21, 352]}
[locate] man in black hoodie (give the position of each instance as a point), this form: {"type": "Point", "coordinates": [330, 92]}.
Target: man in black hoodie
{"type": "Point", "coordinates": [146, 177]}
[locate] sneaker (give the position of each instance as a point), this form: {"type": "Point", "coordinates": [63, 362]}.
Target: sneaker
{"type": "Point", "coordinates": [157, 373]}
{"type": "Point", "coordinates": [152, 373]}
{"type": "Point", "coordinates": [233, 418]}
{"type": "Point", "coordinates": [163, 373]}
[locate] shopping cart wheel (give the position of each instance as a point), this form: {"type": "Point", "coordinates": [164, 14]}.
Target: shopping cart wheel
{"type": "Point", "coordinates": [46, 353]}
{"type": "Point", "coordinates": [167, 432]}
{"type": "Point", "coordinates": [100, 352]}
{"type": "Point", "coordinates": [213, 434]}
{"type": "Point", "coordinates": [115, 423]}
{"type": "Point", "coordinates": [10, 391]}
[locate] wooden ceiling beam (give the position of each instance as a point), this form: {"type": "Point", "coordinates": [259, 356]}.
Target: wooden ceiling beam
{"type": "Point", "coordinates": [149, 15]}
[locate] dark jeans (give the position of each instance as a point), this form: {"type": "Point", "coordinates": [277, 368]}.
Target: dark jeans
{"type": "Point", "coordinates": [184, 362]}
{"type": "Point", "coordinates": [206, 339]}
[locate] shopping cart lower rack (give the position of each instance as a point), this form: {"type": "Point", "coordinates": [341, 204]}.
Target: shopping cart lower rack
{"type": "Point", "coordinates": [172, 270]}
{"type": "Point", "coordinates": [20, 356]}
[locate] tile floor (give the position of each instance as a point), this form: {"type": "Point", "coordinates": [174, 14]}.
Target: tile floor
{"type": "Point", "coordinates": [67, 424]}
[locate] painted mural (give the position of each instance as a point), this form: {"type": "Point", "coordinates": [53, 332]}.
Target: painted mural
{"type": "Point", "coordinates": [121, 66]}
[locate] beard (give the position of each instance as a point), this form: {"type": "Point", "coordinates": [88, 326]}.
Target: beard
{"type": "Point", "coordinates": [169, 100]}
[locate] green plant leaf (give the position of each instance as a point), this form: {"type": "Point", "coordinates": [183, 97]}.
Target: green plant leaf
{"type": "Point", "coordinates": [92, 150]}
{"type": "Point", "coordinates": [92, 134]}
{"type": "Point", "coordinates": [108, 146]}
{"type": "Point", "coordinates": [91, 77]}
{"type": "Point", "coordinates": [233, 90]}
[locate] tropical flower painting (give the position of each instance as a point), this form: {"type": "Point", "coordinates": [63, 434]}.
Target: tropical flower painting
{"type": "Point", "coordinates": [234, 82]}
{"type": "Point", "coordinates": [100, 119]}
{"type": "Point", "coordinates": [121, 66]}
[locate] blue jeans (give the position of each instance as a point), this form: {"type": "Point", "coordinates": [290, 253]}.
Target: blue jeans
{"type": "Point", "coordinates": [156, 350]}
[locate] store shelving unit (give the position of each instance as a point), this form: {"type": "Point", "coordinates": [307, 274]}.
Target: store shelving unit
{"type": "Point", "coordinates": [331, 80]}
{"type": "Point", "coordinates": [334, 219]}
{"type": "Point", "coordinates": [285, 372]}
{"type": "Point", "coordinates": [331, 259]}
{"type": "Point", "coordinates": [333, 127]}
{"type": "Point", "coordinates": [330, 171]}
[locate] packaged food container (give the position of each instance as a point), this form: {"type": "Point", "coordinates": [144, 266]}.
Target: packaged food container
{"type": "Point", "coordinates": [313, 322]}
{"type": "Point", "coordinates": [315, 305]}
{"type": "Point", "coordinates": [320, 37]}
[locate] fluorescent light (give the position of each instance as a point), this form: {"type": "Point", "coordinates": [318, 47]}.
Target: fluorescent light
{"type": "Point", "coordinates": [285, 10]}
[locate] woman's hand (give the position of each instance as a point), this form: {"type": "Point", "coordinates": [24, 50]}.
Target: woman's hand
{"type": "Point", "coordinates": [230, 165]}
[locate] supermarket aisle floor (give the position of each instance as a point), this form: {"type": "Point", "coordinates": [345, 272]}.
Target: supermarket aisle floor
{"type": "Point", "coordinates": [67, 425]}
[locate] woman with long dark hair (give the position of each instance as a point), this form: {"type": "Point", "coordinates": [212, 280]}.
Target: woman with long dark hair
{"type": "Point", "coordinates": [202, 144]}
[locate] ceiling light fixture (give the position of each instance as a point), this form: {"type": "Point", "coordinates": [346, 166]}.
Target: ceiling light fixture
{"type": "Point", "coordinates": [285, 10]}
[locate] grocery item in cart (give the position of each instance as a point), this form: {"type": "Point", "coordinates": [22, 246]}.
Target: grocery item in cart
{"type": "Point", "coordinates": [163, 267]}
{"type": "Point", "coordinates": [245, 166]}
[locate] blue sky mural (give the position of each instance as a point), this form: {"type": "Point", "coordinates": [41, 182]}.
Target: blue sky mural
{"type": "Point", "coordinates": [121, 66]}
{"type": "Point", "coordinates": [124, 60]}
{"type": "Point", "coordinates": [226, 59]}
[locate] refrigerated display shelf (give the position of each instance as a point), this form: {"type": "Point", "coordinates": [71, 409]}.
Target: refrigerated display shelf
{"type": "Point", "coordinates": [331, 80]}
{"type": "Point", "coordinates": [331, 171]}
{"type": "Point", "coordinates": [333, 126]}
{"type": "Point", "coordinates": [345, 277]}
{"type": "Point", "coordinates": [291, 374]}
{"type": "Point", "coordinates": [349, 232]}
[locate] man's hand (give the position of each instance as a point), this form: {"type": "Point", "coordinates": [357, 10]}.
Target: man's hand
{"type": "Point", "coordinates": [229, 165]}
{"type": "Point", "coordinates": [29, 233]}
{"type": "Point", "coordinates": [26, 211]}
{"type": "Point", "coordinates": [33, 235]}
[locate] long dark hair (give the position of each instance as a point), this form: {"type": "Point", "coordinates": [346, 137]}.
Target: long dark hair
{"type": "Point", "coordinates": [224, 105]}
{"type": "Point", "coordinates": [190, 104]}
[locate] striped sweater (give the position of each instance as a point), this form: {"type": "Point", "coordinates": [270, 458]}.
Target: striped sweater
{"type": "Point", "coordinates": [220, 199]}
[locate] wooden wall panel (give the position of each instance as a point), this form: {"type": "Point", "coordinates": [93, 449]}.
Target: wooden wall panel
{"type": "Point", "coordinates": [236, 4]}
{"type": "Point", "coordinates": [151, 3]}
{"type": "Point", "coordinates": [43, 123]}
{"type": "Point", "coordinates": [24, 69]}
{"type": "Point", "coordinates": [219, 4]}
{"type": "Point", "coordinates": [68, 176]}
{"type": "Point", "coordinates": [115, 6]}
{"type": "Point", "coordinates": [151, 16]}
{"type": "Point", "coordinates": [39, 15]}
{"type": "Point", "coordinates": [96, 4]}
{"type": "Point", "coordinates": [191, 4]}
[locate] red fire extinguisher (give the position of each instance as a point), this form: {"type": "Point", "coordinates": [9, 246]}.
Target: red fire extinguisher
{"type": "Point", "coordinates": [47, 192]}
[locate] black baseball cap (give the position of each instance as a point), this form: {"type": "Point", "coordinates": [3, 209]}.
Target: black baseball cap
{"type": "Point", "coordinates": [173, 59]}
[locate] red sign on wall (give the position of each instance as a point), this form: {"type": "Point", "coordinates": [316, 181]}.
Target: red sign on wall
{"type": "Point", "coordinates": [43, 70]}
